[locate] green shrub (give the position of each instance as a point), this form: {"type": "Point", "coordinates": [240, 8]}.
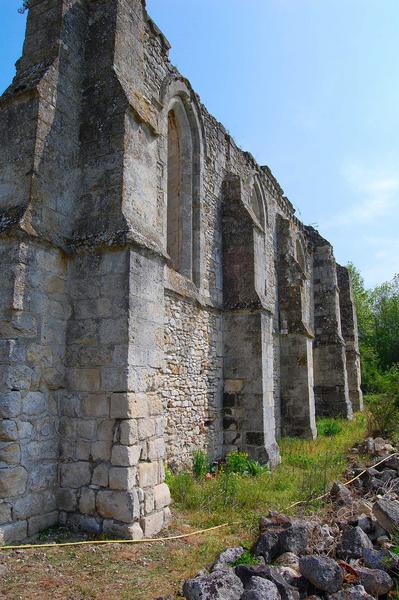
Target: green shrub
{"type": "Point", "coordinates": [382, 415]}
{"type": "Point", "coordinates": [239, 462]}
{"type": "Point", "coordinates": [181, 487]}
{"type": "Point", "coordinates": [246, 558]}
{"type": "Point", "coordinates": [200, 463]}
{"type": "Point", "coordinates": [328, 427]}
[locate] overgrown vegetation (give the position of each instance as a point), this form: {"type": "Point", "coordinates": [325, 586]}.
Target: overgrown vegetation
{"type": "Point", "coordinates": [328, 426]}
{"type": "Point", "coordinates": [234, 493]}
{"type": "Point", "coordinates": [378, 323]}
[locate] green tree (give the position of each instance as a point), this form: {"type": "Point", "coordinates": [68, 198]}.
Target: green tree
{"type": "Point", "coordinates": [378, 324]}
{"type": "Point", "coordinates": [385, 301]}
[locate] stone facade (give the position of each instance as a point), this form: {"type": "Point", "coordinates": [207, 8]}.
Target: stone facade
{"type": "Point", "coordinates": [159, 294]}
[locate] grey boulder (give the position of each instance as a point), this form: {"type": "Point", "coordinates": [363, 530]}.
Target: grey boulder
{"type": "Point", "coordinates": [387, 514]}
{"type": "Point", "coordinates": [260, 589]}
{"type": "Point", "coordinates": [218, 585]}
{"type": "Point", "coordinates": [375, 581]}
{"type": "Point", "coordinates": [353, 542]}
{"type": "Point", "coordinates": [227, 557]}
{"type": "Point", "coordinates": [322, 572]}
{"type": "Point", "coordinates": [357, 592]}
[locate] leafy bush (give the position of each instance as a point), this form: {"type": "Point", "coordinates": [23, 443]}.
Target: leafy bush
{"type": "Point", "coordinates": [328, 427]}
{"type": "Point", "coordinates": [200, 463]}
{"type": "Point", "coordinates": [382, 414]}
{"type": "Point", "coordinates": [239, 462]}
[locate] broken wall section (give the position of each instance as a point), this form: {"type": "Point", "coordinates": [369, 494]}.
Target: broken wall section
{"type": "Point", "coordinates": [329, 353]}
{"type": "Point", "coordinates": [350, 335]}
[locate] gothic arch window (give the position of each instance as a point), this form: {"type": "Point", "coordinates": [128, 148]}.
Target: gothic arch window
{"type": "Point", "coordinates": [183, 216]}
{"type": "Point", "coordinates": [300, 256]}
{"type": "Point", "coordinates": [257, 204]}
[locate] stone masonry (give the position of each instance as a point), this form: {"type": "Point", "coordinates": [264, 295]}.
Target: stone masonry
{"type": "Point", "coordinates": [158, 293]}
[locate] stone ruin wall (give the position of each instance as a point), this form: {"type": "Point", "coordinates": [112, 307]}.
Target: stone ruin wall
{"type": "Point", "coordinates": [113, 359]}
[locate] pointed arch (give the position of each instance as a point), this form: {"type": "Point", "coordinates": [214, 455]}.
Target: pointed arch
{"type": "Point", "coordinates": [258, 204]}
{"type": "Point", "coordinates": [300, 254]}
{"type": "Point", "coordinates": [184, 181]}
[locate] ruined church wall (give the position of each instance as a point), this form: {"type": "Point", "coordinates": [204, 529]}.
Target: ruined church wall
{"type": "Point", "coordinates": [34, 311]}
{"type": "Point", "coordinates": [192, 385]}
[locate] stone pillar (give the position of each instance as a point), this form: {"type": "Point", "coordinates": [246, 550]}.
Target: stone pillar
{"type": "Point", "coordinates": [249, 421]}
{"type": "Point", "coordinates": [81, 305]}
{"type": "Point", "coordinates": [350, 335]}
{"type": "Point", "coordinates": [39, 127]}
{"type": "Point", "coordinates": [296, 361]}
{"type": "Point", "coordinates": [329, 355]}
{"type": "Point", "coordinates": [114, 436]}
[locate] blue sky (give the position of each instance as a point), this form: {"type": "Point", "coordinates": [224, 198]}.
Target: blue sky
{"type": "Point", "coordinates": [310, 88]}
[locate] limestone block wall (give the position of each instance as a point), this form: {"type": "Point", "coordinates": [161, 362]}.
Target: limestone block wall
{"type": "Point", "coordinates": [34, 311]}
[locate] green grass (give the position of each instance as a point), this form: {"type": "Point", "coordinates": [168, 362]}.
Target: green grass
{"type": "Point", "coordinates": [139, 572]}
{"type": "Point", "coordinates": [307, 469]}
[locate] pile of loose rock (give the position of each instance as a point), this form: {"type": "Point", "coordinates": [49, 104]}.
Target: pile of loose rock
{"type": "Point", "coordinates": [349, 557]}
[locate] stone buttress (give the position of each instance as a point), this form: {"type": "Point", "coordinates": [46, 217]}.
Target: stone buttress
{"type": "Point", "coordinates": [159, 295]}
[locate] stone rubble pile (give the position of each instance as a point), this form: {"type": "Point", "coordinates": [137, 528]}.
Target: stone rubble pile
{"type": "Point", "coordinates": [350, 558]}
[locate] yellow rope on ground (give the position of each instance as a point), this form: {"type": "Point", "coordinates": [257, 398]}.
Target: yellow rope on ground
{"type": "Point", "coordinates": [103, 542]}
{"type": "Point", "coordinates": [176, 537]}
{"type": "Point", "coordinates": [346, 483]}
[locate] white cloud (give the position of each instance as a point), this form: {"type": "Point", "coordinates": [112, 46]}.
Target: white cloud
{"type": "Point", "coordinates": [382, 260]}
{"type": "Point", "coordinates": [375, 195]}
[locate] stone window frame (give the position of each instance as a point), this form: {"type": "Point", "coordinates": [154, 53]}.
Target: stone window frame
{"type": "Point", "coordinates": [261, 215]}
{"type": "Point", "coordinates": [300, 254]}
{"type": "Point", "coordinates": [178, 98]}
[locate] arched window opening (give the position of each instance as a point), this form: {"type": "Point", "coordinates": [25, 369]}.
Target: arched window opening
{"type": "Point", "coordinates": [257, 204]}
{"type": "Point", "coordinates": [182, 193]}
{"type": "Point", "coordinates": [300, 256]}
{"type": "Point", "coordinates": [174, 191]}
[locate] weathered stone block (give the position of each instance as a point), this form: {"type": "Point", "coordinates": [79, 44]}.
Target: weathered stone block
{"type": "Point", "coordinates": [121, 506]}
{"type": "Point", "coordinates": [148, 474]}
{"type": "Point", "coordinates": [75, 475]}
{"type": "Point", "coordinates": [155, 404]}
{"type": "Point", "coordinates": [40, 522]}
{"type": "Point", "coordinates": [34, 403]}
{"type": "Point", "coordinates": [5, 512]}
{"type": "Point", "coordinates": [125, 456]}
{"type": "Point", "coordinates": [84, 523]}
{"type": "Point", "coordinates": [161, 495]}
{"type": "Point", "coordinates": [87, 501]}
{"type": "Point", "coordinates": [156, 449]}
{"type": "Point", "coordinates": [95, 405]}
{"type": "Point", "coordinates": [146, 428]}
{"type": "Point", "coordinates": [8, 430]}
{"type": "Point", "coordinates": [10, 404]}
{"type": "Point", "coordinates": [129, 405]}
{"type": "Point", "coordinates": [100, 475]}
{"type": "Point", "coordinates": [67, 499]}
{"type": "Point", "coordinates": [105, 430]}
{"type": "Point", "coordinates": [12, 481]}
{"type": "Point", "coordinates": [9, 453]}
{"type": "Point", "coordinates": [152, 524]}
{"type": "Point", "coordinates": [34, 504]}
{"type": "Point", "coordinates": [101, 450]}
{"type": "Point", "coordinates": [122, 478]}
{"type": "Point", "coordinates": [13, 532]}
{"type": "Point", "coordinates": [128, 432]}
{"type": "Point", "coordinates": [117, 530]}
{"type": "Point", "coordinates": [84, 380]}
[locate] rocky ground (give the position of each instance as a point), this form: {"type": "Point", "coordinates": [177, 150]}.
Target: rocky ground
{"type": "Point", "coordinates": [349, 554]}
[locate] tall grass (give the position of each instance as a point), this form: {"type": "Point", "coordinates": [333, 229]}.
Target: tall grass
{"type": "Point", "coordinates": [307, 469]}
